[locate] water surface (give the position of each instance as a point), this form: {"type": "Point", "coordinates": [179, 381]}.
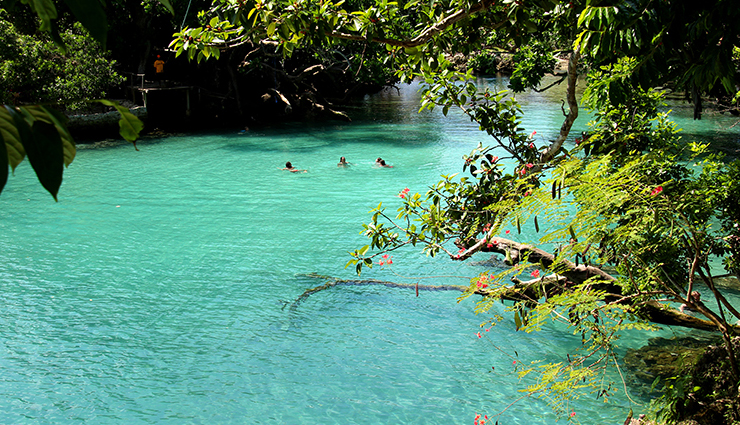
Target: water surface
{"type": "Point", "coordinates": [158, 289]}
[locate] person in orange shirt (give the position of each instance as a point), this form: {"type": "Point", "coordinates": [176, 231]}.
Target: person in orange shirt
{"type": "Point", "coordinates": [159, 67]}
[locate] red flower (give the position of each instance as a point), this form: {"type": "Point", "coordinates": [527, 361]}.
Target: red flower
{"type": "Point", "coordinates": [479, 335]}
{"type": "Point", "coordinates": [489, 245]}
{"type": "Point", "coordinates": [530, 165]}
{"type": "Point", "coordinates": [657, 190]}
{"type": "Point", "coordinates": [508, 231]}
{"type": "Point", "coordinates": [536, 273]}
{"type": "Point", "coordinates": [531, 145]}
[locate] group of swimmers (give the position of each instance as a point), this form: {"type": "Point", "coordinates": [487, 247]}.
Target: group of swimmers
{"type": "Point", "coordinates": [380, 162]}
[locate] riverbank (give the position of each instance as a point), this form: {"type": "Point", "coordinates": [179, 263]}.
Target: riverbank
{"type": "Point", "coordinates": [102, 125]}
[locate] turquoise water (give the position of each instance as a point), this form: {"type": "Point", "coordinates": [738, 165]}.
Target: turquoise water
{"type": "Point", "coordinates": [158, 289]}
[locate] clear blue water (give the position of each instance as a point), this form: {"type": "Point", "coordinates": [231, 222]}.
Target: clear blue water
{"type": "Point", "coordinates": [157, 290]}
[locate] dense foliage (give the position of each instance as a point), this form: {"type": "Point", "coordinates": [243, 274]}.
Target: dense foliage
{"type": "Point", "coordinates": [632, 218]}
{"type": "Point", "coordinates": [33, 70]}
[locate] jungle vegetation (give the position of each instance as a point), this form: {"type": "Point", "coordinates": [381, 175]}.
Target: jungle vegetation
{"type": "Point", "coordinates": [633, 220]}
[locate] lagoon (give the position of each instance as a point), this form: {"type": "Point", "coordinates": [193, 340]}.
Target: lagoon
{"type": "Point", "coordinates": [158, 289]}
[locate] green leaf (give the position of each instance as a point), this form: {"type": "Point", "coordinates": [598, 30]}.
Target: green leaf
{"type": "Point", "coordinates": [536, 225]}
{"type": "Point", "coordinates": [168, 5]}
{"type": "Point", "coordinates": [46, 11]}
{"type": "Point", "coordinates": [91, 14]}
{"type": "Point", "coordinates": [517, 320]}
{"type": "Point", "coordinates": [52, 116]}
{"type": "Point", "coordinates": [129, 125]}
{"type": "Point", "coordinates": [46, 155]}
{"type": "Point", "coordinates": [10, 134]}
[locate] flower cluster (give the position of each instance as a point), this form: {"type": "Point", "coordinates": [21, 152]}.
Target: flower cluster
{"type": "Point", "coordinates": [656, 191]}
{"type": "Point", "coordinates": [536, 273]}
{"type": "Point", "coordinates": [403, 193]}
{"type": "Point", "coordinates": [480, 421]}
{"type": "Point", "coordinates": [386, 260]}
{"type": "Point", "coordinates": [482, 281]}
{"type": "Point", "coordinates": [524, 169]}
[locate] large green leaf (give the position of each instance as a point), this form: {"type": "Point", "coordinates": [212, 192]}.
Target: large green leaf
{"type": "Point", "coordinates": [52, 116]}
{"type": "Point", "coordinates": [45, 153]}
{"type": "Point", "coordinates": [91, 14]}
{"type": "Point", "coordinates": [11, 136]}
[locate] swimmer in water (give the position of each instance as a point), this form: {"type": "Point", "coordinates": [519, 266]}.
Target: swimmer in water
{"type": "Point", "coordinates": [343, 162]}
{"type": "Point", "coordinates": [383, 164]}
{"type": "Point", "coordinates": [292, 169]}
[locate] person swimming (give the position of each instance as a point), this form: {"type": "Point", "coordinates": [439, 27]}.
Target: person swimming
{"type": "Point", "coordinates": [292, 169]}
{"type": "Point", "coordinates": [383, 164]}
{"type": "Point", "coordinates": [343, 162]}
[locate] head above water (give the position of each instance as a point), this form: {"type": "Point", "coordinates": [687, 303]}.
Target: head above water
{"type": "Point", "coordinates": [288, 165]}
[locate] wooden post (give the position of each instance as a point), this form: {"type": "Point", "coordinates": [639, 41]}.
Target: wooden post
{"type": "Point", "coordinates": [187, 101]}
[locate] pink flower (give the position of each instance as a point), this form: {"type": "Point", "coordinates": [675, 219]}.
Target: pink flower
{"type": "Point", "coordinates": [533, 133]}
{"type": "Point", "coordinates": [514, 363]}
{"type": "Point", "coordinates": [536, 273]}
{"type": "Point", "coordinates": [657, 190]}
{"type": "Point", "coordinates": [479, 335]}
{"type": "Point", "coordinates": [523, 171]}
{"type": "Point", "coordinates": [572, 414]}
{"type": "Point", "coordinates": [530, 165]}
{"type": "Point", "coordinates": [403, 193]}
{"type": "Point", "coordinates": [380, 263]}
{"type": "Point", "coordinates": [489, 245]}
{"type": "Point", "coordinates": [531, 145]}
{"type": "Point", "coordinates": [527, 193]}
{"type": "Point", "coordinates": [508, 231]}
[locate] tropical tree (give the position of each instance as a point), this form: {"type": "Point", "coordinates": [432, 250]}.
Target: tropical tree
{"type": "Point", "coordinates": [627, 225]}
